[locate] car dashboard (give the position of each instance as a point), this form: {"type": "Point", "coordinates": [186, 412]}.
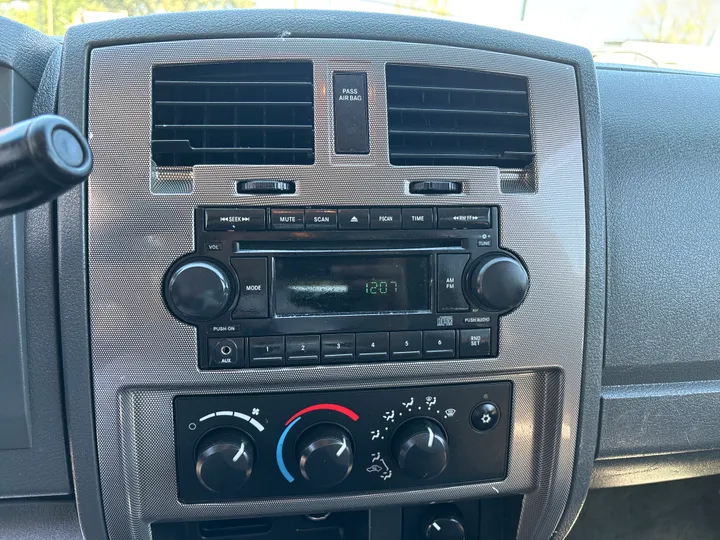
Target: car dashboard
{"type": "Point", "coordinates": [341, 275]}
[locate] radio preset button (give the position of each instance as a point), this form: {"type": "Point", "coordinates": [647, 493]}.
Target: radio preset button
{"type": "Point", "coordinates": [385, 218]}
{"type": "Point", "coordinates": [417, 218]}
{"type": "Point", "coordinates": [470, 217]}
{"type": "Point", "coordinates": [405, 345]}
{"type": "Point", "coordinates": [475, 343]}
{"type": "Point", "coordinates": [373, 347]}
{"type": "Point", "coordinates": [302, 350]}
{"type": "Point", "coordinates": [353, 218]}
{"type": "Point", "coordinates": [320, 219]}
{"type": "Point", "coordinates": [287, 219]}
{"type": "Point", "coordinates": [450, 297]}
{"type": "Point", "coordinates": [338, 348]}
{"type": "Point", "coordinates": [267, 351]}
{"type": "Point", "coordinates": [235, 219]}
{"type": "Point", "coordinates": [253, 302]}
{"type": "Point", "coordinates": [439, 344]}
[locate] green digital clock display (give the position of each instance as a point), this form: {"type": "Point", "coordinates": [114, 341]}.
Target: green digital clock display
{"type": "Point", "coordinates": [381, 287]}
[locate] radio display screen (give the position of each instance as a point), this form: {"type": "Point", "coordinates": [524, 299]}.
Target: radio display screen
{"type": "Point", "coordinates": [351, 284]}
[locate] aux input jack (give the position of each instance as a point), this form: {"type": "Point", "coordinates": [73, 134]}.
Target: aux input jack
{"type": "Point", "coordinates": [225, 350]}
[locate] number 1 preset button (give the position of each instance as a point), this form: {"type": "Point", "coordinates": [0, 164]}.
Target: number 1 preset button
{"type": "Point", "coordinates": [267, 351]}
{"type": "Point", "coordinates": [373, 347]}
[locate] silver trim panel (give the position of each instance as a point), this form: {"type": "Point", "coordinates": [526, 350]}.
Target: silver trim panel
{"type": "Point", "coordinates": [142, 356]}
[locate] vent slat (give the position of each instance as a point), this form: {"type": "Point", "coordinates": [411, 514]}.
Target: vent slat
{"type": "Point", "coordinates": [458, 155]}
{"type": "Point", "coordinates": [209, 103]}
{"type": "Point", "coordinates": [443, 116]}
{"type": "Point", "coordinates": [235, 83]}
{"type": "Point", "coordinates": [440, 110]}
{"type": "Point", "coordinates": [185, 146]}
{"type": "Point", "coordinates": [456, 89]}
{"type": "Point", "coordinates": [456, 133]}
{"type": "Point", "coordinates": [232, 126]}
{"type": "Point", "coordinates": [233, 113]}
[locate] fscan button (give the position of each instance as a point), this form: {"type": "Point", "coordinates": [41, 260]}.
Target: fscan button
{"type": "Point", "coordinates": [385, 218]}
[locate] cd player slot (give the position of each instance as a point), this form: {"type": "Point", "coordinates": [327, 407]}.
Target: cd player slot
{"type": "Point", "coordinates": [351, 245]}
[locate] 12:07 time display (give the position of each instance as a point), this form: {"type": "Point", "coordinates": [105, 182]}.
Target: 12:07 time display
{"type": "Point", "coordinates": [381, 287]}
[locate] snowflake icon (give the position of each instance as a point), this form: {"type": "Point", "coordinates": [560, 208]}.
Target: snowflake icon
{"type": "Point", "coordinates": [486, 418]}
{"type": "Point", "coordinates": [256, 411]}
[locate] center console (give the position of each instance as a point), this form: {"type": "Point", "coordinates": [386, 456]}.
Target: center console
{"type": "Point", "coordinates": [325, 306]}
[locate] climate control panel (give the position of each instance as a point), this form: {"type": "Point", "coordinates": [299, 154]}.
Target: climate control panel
{"type": "Point", "coordinates": [239, 447]}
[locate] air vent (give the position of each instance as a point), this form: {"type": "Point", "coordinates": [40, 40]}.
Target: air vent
{"type": "Point", "coordinates": [244, 113]}
{"type": "Point", "coordinates": [440, 116]}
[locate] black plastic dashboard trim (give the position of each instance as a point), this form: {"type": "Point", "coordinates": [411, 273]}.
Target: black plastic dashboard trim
{"type": "Point", "coordinates": [25, 50]}
{"type": "Point", "coordinates": [81, 39]}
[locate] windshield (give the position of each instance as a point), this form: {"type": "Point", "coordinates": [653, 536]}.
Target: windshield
{"type": "Point", "coordinates": [678, 34]}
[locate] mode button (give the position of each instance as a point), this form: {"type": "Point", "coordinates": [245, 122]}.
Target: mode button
{"type": "Point", "coordinates": [252, 274]}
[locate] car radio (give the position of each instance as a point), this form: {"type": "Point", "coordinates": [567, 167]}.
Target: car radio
{"type": "Point", "coordinates": [273, 287]}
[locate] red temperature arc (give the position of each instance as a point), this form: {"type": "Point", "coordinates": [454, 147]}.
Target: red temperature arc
{"type": "Point", "coordinates": [325, 407]}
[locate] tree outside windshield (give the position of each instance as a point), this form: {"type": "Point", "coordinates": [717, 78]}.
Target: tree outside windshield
{"type": "Point", "coordinates": [677, 34]}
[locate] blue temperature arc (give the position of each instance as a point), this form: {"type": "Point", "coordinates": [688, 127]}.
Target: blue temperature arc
{"type": "Point", "coordinates": [279, 451]}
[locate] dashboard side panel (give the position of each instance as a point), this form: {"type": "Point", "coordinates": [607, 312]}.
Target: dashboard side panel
{"type": "Point", "coordinates": [663, 309]}
{"type": "Point", "coordinates": [25, 50]}
{"type": "Point", "coordinates": [30, 520]}
{"type": "Point", "coordinates": [33, 452]}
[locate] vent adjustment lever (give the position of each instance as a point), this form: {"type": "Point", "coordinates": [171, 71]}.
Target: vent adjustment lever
{"type": "Point", "coordinates": [265, 187]}
{"type": "Point", "coordinates": [435, 187]}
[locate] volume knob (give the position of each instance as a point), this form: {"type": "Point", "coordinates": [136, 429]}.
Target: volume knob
{"type": "Point", "coordinates": [498, 283]}
{"type": "Point", "coordinates": [198, 291]}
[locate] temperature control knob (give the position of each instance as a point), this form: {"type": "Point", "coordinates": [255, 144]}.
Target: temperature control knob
{"type": "Point", "coordinates": [325, 454]}
{"type": "Point", "coordinates": [498, 283]}
{"type": "Point", "coordinates": [420, 448]}
{"type": "Point", "coordinates": [198, 291]}
{"type": "Point", "coordinates": [224, 460]}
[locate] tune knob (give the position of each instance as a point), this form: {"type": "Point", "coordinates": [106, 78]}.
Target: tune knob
{"type": "Point", "coordinates": [325, 454]}
{"type": "Point", "coordinates": [224, 460]}
{"type": "Point", "coordinates": [198, 291]}
{"type": "Point", "coordinates": [420, 448]}
{"type": "Point", "coordinates": [498, 283]}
